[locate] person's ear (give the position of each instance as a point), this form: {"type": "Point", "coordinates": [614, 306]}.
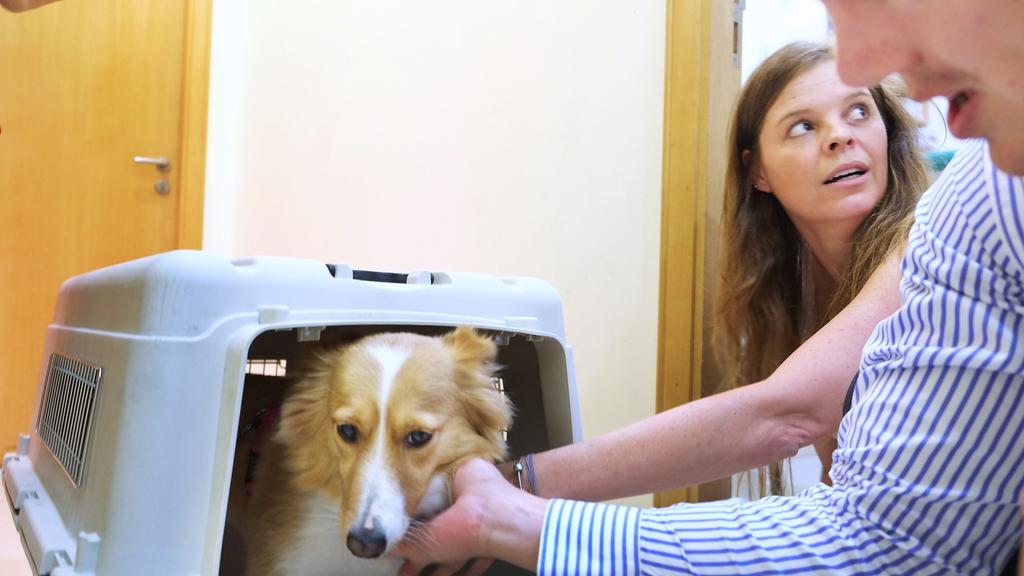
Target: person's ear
{"type": "Point", "coordinates": [756, 174]}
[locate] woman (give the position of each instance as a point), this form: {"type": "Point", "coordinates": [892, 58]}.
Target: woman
{"type": "Point", "coordinates": [823, 179]}
{"type": "Point", "coordinates": [821, 186]}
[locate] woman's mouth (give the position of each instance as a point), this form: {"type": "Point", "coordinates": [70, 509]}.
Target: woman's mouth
{"type": "Point", "coordinates": [846, 174]}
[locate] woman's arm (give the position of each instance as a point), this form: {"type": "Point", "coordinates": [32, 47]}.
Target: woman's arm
{"type": "Point", "coordinates": [733, 431]}
{"type": "Point", "coordinates": [706, 439]}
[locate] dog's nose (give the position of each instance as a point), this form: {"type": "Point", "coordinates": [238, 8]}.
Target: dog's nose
{"type": "Point", "coordinates": [366, 543]}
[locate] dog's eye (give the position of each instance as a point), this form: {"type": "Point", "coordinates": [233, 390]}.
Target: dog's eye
{"type": "Point", "coordinates": [418, 438]}
{"type": "Point", "coordinates": [348, 433]}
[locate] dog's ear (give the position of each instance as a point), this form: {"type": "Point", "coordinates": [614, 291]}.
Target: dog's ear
{"type": "Point", "coordinates": [488, 410]}
{"type": "Point", "coordinates": [470, 347]}
{"type": "Point", "coordinates": [306, 428]}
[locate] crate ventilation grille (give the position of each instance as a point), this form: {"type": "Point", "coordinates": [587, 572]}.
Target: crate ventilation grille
{"type": "Point", "coordinates": [65, 416]}
{"type": "Point", "coordinates": [277, 367]}
{"type": "Point", "coordinates": [499, 385]}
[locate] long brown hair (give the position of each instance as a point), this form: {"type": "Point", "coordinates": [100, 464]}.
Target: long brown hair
{"type": "Point", "coordinates": [759, 302]}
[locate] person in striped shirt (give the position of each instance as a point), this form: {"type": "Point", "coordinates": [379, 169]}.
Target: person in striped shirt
{"type": "Point", "coordinates": [931, 456]}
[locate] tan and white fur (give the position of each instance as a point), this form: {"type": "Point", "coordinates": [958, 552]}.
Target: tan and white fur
{"type": "Point", "coordinates": [366, 443]}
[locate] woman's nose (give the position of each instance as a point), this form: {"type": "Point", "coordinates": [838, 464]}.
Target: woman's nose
{"type": "Point", "coordinates": [836, 145]}
{"type": "Point", "coordinates": [838, 140]}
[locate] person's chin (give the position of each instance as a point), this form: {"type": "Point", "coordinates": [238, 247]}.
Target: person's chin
{"type": "Point", "coordinates": [1008, 154]}
{"type": "Point", "coordinates": [859, 203]}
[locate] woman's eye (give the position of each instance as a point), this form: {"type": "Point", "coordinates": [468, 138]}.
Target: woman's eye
{"type": "Point", "coordinates": [348, 433]}
{"type": "Point", "coordinates": [858, 112]}
{"type": "Point", "coordinates": [418, 438]}
{"type": "Point", "coordinates": [801, 127]}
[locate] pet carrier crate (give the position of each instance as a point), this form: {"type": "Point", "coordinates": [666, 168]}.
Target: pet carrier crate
{"type": "Point", "coordinates": [153, 370]}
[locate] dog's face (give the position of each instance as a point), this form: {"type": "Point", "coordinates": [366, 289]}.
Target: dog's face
{"type": "Point", "coordinates": [379, 425]}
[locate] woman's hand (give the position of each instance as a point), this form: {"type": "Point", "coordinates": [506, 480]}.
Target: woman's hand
{"type": "Point", "coordinates": [508, 472]}
{"type": "Point", "coordinates": [453, 537]}
{"type": "Point", "coordinates": [488, 518]}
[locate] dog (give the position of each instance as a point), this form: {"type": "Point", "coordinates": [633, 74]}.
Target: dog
{"type": "Point", "coordinates": [365, 445]}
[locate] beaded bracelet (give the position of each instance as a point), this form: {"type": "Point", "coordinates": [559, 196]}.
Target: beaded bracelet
{"type": "Point", "coordinates": [530, 474]}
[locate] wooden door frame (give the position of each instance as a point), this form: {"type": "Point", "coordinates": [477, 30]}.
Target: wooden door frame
{"type": "Point", "coordinates": [195, 104]}
{"type": "Point", "coordinates": [701, 80]}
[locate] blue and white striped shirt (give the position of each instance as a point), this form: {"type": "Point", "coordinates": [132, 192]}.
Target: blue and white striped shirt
{"type": "Point", "coordinates": [930, 462]}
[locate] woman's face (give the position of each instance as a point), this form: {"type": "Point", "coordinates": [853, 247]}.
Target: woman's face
{"type": "Point", "coordinates": [823, 152]}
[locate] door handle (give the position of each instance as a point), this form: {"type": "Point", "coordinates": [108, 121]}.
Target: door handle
{"type": "Point", "coordinates": [162, 163]}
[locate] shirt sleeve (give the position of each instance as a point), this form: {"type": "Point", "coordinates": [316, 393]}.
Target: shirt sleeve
{"type": "Point", "coordinates": [588, 538]}
{"type": "Point", "coordinates": [807, 534]}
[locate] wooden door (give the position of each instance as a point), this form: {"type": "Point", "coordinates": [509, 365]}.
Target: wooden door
{"type": "Point", "coordinates": [85, 86]}
{"type": "Point", "coordinates": [702, 81]}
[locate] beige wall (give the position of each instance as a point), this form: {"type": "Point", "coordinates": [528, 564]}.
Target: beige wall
{"type": "Point", "coordinates": [519, 138]}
